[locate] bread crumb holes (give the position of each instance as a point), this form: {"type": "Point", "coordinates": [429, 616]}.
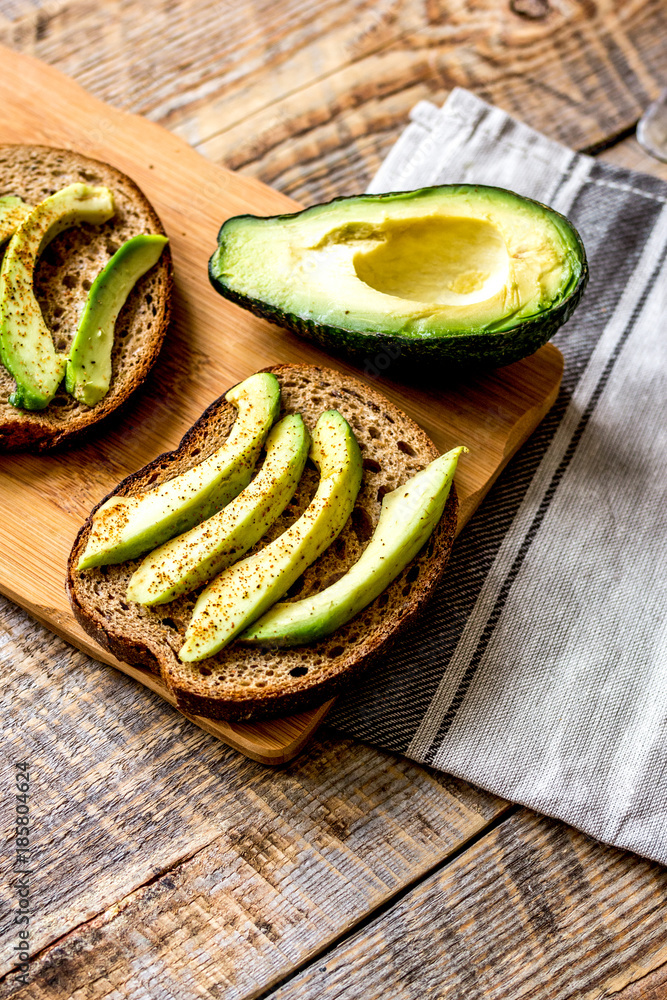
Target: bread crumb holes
{"type": "Point", "coordinates": [406, 448]}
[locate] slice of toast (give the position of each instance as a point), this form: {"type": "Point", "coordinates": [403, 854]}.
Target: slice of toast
{"type": "Point", "coordinates": [243, 682]}
{"type": "Point", "coordinates": [63, 277]}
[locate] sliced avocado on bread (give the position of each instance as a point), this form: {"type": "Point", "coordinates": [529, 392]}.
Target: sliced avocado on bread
{"type": "Point", "coordinates": [26, 345]}
{"type": "Point", "coordinates": [243, 682]}
{"type": "Point", "coordinates": [62, 280]}
{"type": "Point", "coordinates": [244, 591]}
{"type": "Point", "coordinates": [13, 211]}
{"type": "Point", "coordinates": [407, 518]}
{"type": "Point", "coordinates": [88, 372]}
{"type": "Point", "coordinates": [195, 557]}
{"type": "Point", "coordinates": [460, 275]}
{"type": "Point", "coordinates": [126, 527]}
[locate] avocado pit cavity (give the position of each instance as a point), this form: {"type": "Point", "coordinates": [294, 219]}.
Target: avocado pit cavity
{"type": "Point", "coordinates": [444, 261]}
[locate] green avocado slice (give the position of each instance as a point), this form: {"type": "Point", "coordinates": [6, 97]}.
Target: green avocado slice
{"type": "Point", "coordinates": [127, 527]}
{"type": "Point", "coordinates": [245, 590]}
{"type": "Point", "coordinates": [195, 557]}
{"type": "Point", "coordinates": [88, 372]}
{"type": "Point", "coordinates": [459, 274]}
{"type": "Point", "coordinates": [408, 516]}
{"type": "Point", "coordinates": [13, 212]}
{"type": "Point", "coordinates": [26, 346]}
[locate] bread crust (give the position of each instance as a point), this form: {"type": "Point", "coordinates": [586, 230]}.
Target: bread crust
{"type": "Point", "coordinates": [244, 683]}
{"type": "Point", "coordinates": [62, 279]}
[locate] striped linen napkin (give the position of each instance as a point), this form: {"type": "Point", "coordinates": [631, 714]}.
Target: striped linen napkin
{"type": "Point", "coordinates": [539, 671]}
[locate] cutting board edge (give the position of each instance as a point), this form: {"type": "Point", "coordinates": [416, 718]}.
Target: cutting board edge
{"type": "Point", "coordinates": [63, 92]}
{"type": "Point", "coordinates": [249, 738]}
{"type": "Point", "coordinates": [521, 432]}
{"type": "Point", "coordinates": [244, 737]}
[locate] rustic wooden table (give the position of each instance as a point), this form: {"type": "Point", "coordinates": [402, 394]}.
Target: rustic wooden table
{"type": "Point", "coordinates": [169, 866]}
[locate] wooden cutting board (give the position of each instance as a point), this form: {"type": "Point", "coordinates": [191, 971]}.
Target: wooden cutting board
{"type": "Point", "coordinates": [211, 345]}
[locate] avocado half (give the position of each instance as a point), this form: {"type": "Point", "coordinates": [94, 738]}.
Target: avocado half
{"type": "Point", "coordinates": [462, 275]}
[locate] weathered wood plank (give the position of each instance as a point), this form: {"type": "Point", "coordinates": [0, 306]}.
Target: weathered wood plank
{"type": "Point", "coordinates": [649, 986]}
{"type": "Point", "coordinates": [269, 89]}
{"type": "Point", "coordinates": [330, 138]}
{"type": "Point", "coordinates": [248, 864]}
{"type": "Point", "coordinates": [534, 909]}
{"type": "Point", "coordinates": [578, 77]}
{"type": "Point", "coordinates": [257, 869]}
{"type": "Point", "coordinates": [629, 153]}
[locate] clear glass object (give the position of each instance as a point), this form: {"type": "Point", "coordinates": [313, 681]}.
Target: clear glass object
{"type": "Point", "coordinates": [652, 128]}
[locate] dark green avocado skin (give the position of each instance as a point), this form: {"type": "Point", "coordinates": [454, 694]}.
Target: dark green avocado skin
{"type": "Point", "coordinates": [460, 352]}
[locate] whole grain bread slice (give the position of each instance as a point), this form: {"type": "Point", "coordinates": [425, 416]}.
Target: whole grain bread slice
{"type": "Point", "coordinates": [243, 682]}
{"type": "Point", "coordinates": [63, 276]}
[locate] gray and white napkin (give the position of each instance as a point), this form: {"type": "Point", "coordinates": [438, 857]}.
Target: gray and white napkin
{"type": "Point", "coordinates": [539, 671]}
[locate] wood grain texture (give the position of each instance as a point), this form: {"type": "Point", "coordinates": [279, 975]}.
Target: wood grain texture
{"type": "Point", "coordinates": [566, 75]}
{"type": "Point", "coordinates": [628, 153]}
{"type": "Point", "coordinates": [312, 104]}
{"type": "Point", "coordinates": [127, 788]}
{"type": "Point", "coordinates": [651, 985]}
{"type": "Point", "coordinates": [245, 871]}
{"type": "Point", "coordinates": [534, 909]}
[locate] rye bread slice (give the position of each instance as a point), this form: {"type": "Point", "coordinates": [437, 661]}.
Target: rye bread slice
{"type": "Point", "coordinates": [244, 682]}
{"type": "Point", "coordinates": [63, 276]}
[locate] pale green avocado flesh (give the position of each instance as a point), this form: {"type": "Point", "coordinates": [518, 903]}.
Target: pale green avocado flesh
{"type": "Point", "coordinates": [13, 212]}
{"type": "Point", "coordinates": [195, 557]}
{"type": "Point", "coordinates": [408, 516]}
{"type": "Point", "coordinates": [427, 271]}
{"type": "Point", "coordinates": [88, 372]}
{"type": "Point", "coordinates": [127, 527]}
{"type": "Point", "coordinates": [26, 346]}
{"type": "Point", "coordinates": [247, 589]}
